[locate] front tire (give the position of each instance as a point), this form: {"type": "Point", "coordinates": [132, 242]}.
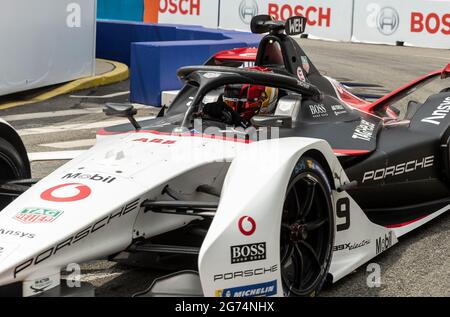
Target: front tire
{"type": "Point", "coordinates": [12, 167]}
{"type": "Point", "coordinates": [307, 230]}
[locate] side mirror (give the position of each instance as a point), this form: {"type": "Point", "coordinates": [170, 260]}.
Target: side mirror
{"type": "Point", "coordinates": [272, 121]}
{"type": "Point", "coordinates": [122, 110]}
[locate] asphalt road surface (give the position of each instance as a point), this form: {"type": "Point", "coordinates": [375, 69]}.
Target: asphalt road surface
{"type": "Point", "coordinates": [418, 266]}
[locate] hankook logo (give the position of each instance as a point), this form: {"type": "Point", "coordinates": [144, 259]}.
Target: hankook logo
{"type": "Point", "coordinates": [388, 21]}
{"type": "Point", "coordinates": [247, 10]}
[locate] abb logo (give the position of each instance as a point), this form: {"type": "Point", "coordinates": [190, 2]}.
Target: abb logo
{"type": "Point", "coordinates": [315, 15]}
{"type": "Point", "coordinates": [158, 141]}
{"type": "Point", "coordinates": [183, 7]}
{"type": "Point", "coordinates": [431, 23]}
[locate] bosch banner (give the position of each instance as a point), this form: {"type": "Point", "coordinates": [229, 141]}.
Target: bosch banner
{"type": "Point", "coordinates": [196, 12]}
{"type": "Point", "coordinates": [424, 23]}
{"type": "Point", "coordinates": [326, 19]}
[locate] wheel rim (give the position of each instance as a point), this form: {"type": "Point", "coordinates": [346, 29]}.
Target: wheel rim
{"type": "Point", "coordinates": [305, 235]}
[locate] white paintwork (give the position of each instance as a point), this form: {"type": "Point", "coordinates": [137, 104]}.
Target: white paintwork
{"type": "Point", "coordinates": [54, 156]}
{"type": "Point", "coordinates": [71, 144]}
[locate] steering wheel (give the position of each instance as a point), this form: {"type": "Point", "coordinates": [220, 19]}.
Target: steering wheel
{"type": "Point", "coordinates": [221, 111]}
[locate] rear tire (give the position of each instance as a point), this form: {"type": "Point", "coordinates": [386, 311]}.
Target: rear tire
{"type": "Point", "coordinates": [307, 230]}
{"type": "Point", "coordinates": [12, 167]}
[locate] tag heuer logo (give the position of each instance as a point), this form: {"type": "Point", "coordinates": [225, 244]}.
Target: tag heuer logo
{"type": "Point", "coordinates": [37, 215]}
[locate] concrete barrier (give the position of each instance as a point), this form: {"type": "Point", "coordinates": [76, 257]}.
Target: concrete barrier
{"type": "Point", "coordinates": [154, 52]}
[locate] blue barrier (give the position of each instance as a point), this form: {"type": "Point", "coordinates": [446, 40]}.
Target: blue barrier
{"type": "Point", "coordinates": [154, 52]}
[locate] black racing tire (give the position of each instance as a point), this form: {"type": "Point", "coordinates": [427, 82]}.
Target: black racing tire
{"type": "Point", "coordinates": [12, 167]}
{"type": "Point", "coordinates": [307, 230]}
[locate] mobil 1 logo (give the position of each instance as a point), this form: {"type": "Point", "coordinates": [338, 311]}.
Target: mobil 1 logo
{"type": "Point", "coordinates": [248, 252]}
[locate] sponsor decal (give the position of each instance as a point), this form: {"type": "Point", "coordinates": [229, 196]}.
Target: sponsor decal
{"type": "Point", "coordinates": [92, 177]}
{"type": "Point", "coordinates": [255, 290]}
{"type": "Point", "coordinates": [82, 192]}
{"type": "Point", "coordinates": [338, 110]}
{"type": "Point", "coordinates": [295, 25]}
{"type": "Point", "coordinates": [305, 64]}
{"type": "Point", "coordinates": [351, 246]}
{"type": "Point", "coordinates": [315, 15]}
{"type": "Point", "coordinates": [37, 215]}
{"type": "Point", "coordinates": [399, 169]}
{"type": "Point", "coordinates": [318, 111]}
{"type": "Point", "coordinates": [16, 233]}
{"type": "Point", "coordinates": [247, 225]}
{"type": "Point", "coordinates": [157, 141]}
{"type": "Point", "coordinates": [248, 9]}
{"type": "Point", "coordinates": [440, 113]}
{"type": "Point", "coordinates": [388, 21]}
{"type": "Point", "coordinates": [384, 243]}
{"type": "Point", "coordinates": [248, 252]}
{"type": "Point", "coordinates": [183, 7]}
{"type": "Point", "coordinates": [364, 131]}
{"type": "Point", "coordinates": [300, 74]}
{"type": "Point", "coordinates": [246, 273]}
{"type": "Point", "coordinates": [79, 236]}
{"type": "Point", "coordinates": [430, 23]}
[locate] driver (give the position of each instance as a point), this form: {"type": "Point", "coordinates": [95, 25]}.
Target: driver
{"type": "Point", "coordinates": [248, 100]}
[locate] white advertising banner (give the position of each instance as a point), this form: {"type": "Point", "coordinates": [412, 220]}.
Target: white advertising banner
{"type": "Point", "coordinates": [195, 12]}
{"type": "Point", "coordinates": [45, 42]}
{"type": "Point", "coordinates": [424, 23]}
{"type": "Point", "coordinates": [326, 19]}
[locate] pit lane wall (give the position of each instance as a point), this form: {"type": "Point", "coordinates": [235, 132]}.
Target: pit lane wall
{"type": "Point", "coordinates": [45, 42]}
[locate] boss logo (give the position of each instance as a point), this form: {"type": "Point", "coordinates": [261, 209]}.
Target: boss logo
{"type": "Point", "coordinates": [248, 252]}
{"type": "Point", "coordinates": [318, 111]}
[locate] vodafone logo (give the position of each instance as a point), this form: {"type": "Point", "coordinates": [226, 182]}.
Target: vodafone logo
{"type": "Point", "coordinates": [247, 225]}
{"type": "Point", "coordinates": [66, 193]}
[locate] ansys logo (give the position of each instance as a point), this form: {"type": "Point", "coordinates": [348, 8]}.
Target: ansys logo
{"type": "Point", "coordinates": [247, 10]}
{"type": "Point", "coordinates": [388, 21]}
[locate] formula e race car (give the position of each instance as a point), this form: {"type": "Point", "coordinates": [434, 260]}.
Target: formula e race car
{"type": "Point", "coordinates": [258, 180]}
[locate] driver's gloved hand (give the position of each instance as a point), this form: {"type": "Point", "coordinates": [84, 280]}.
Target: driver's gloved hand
{"type": "Point", "coordinates": [214, 110]}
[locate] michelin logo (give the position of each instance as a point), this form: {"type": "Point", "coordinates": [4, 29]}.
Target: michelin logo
{"type": "Point", "coordinates": [255, 290]}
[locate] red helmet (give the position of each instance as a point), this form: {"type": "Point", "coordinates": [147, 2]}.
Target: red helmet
{"type": "Point", "coordinates": [248, 100]}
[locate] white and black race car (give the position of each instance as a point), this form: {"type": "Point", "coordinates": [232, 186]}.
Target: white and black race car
{"type": "Point", "coordinates": [260, 181]}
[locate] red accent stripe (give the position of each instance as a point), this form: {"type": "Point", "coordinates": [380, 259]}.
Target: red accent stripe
{"type": "Point", "coordinates": [103, 132]}
{"type": "Point", "coordinates": [351, 152]}
{"type": "Point", "coordinates": [240, 54]}
{"type": "Point", "coordinates": [404, 224]}
{"type": "Point", "coordinates": [197, 135]}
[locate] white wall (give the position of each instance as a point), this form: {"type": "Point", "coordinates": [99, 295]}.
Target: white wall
{"type": "Point", "coordinates": [45, 42]}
